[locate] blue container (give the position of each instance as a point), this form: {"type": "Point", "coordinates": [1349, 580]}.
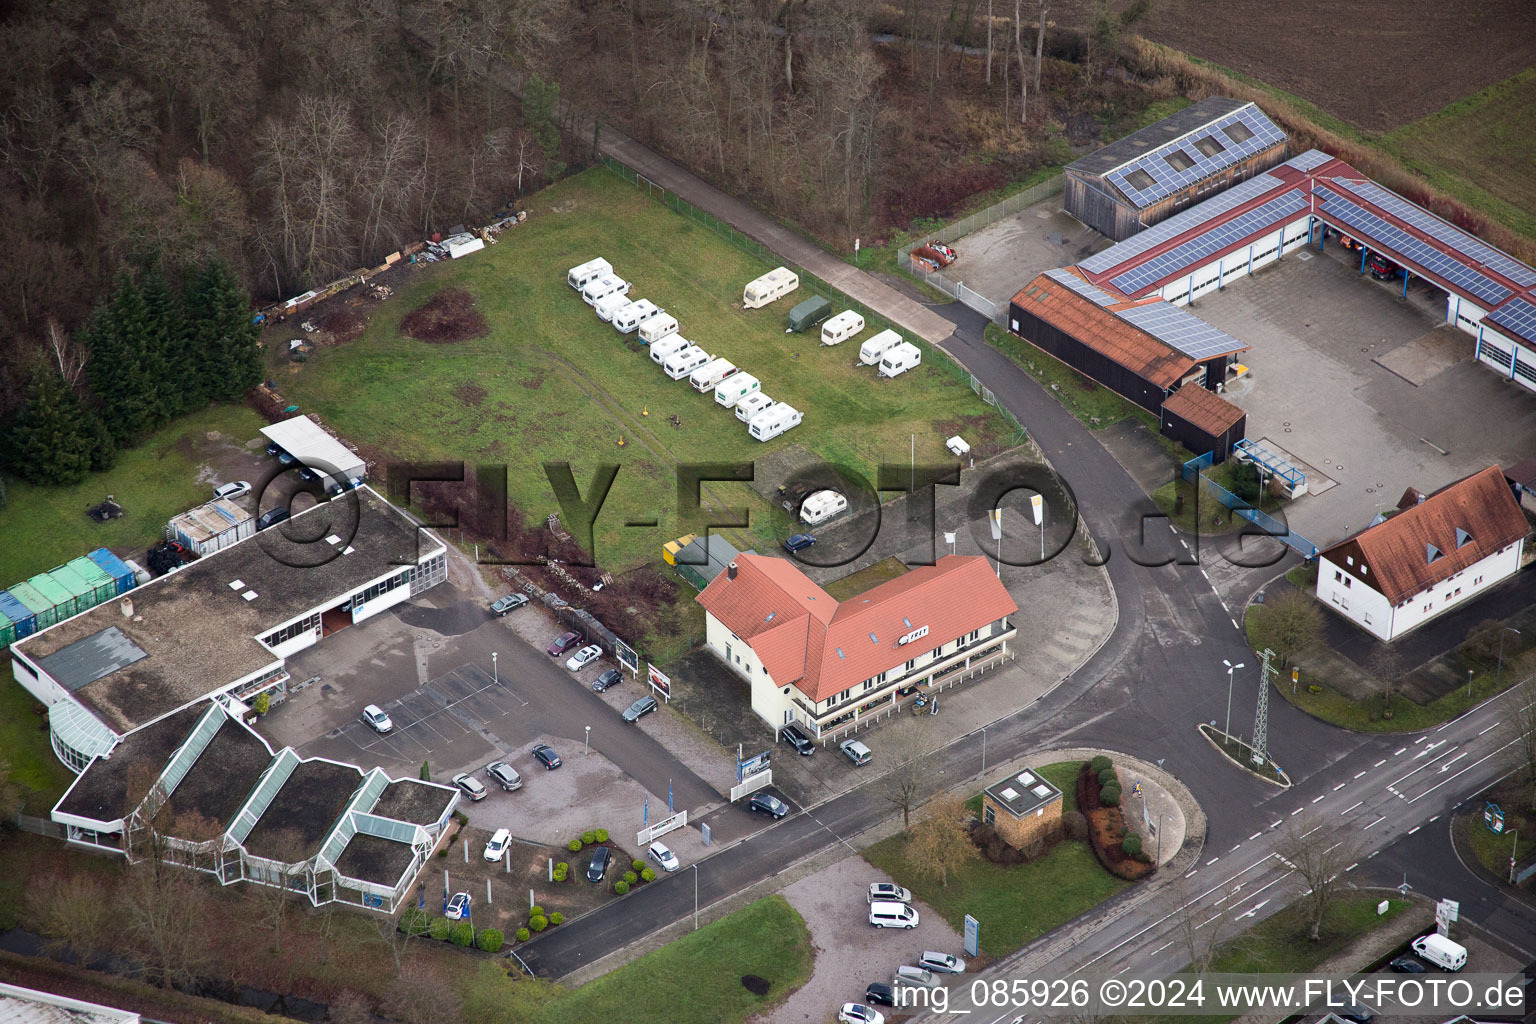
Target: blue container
{"type": "Point", "coordinates": [20, 615]}
{"type": "Point", "coordinates": [116, 568]}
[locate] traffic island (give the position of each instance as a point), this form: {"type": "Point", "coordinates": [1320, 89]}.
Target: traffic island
{"type": "Point", "coordinates": [1241, 754]}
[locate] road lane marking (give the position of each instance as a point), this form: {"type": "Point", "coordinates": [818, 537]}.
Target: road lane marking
{"type": "Point", "coordinates": [1399, 751]}
{"type": "Point", "coordinates": [1191, 874]}
{"type": "Point", "coordinates": [1213, 860]}
{"type": "Point", "coordinates": [1235, 625]}
{"type": "Point", "coordinates": [1351, 807]}
{"type": "Point", "coordinates": [1378, 764]}
{"type": "Point", "coordinates": [1340, 786]}
{"type": "Point", "coordinates": [1252, 837]}
{"type": "Point", "coordinates": [1495, 725]}
{"type": "Point", "coordinates": [1431, 821]}
{"type": "Point", "coordinates": [1319, 797]}
{"type": "Point", "coordinates": [1452, 778]}
{"type": "Point", "coordinates": [1378, 821]}
{"type": "Point", "coordinates": [1159, 949]}
{"type": "Point", "coordinates": [1297, 811]}
{"type": "Point", "coordinates": [1353, 866]}
{"type": "Point", "coordinates": [1445, 767]}
{"type": "Point", "coordinates": [1414, 829]}
{"type": "Point", "coordinates": [1359, 774]}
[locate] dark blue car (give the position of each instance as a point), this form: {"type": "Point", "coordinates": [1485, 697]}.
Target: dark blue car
{"type": "Point", "coordinates": [799, 542]}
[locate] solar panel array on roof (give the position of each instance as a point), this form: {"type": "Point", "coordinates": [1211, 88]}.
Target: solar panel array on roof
{"type": "Point", "coordinates": [1179, 223]}
{"type": "Point", "coordinates": [1389, 235]}
{"type": "Point", "coordinates": [1308, 160]}
{"type": "Point", "coordinates": [1518, 316]}
{"type": "Point", "coordinates": [1091, 292]}
{"type": "Point", "coordinates": [1182, 330]}
{"type": "Point", "coordinates": [1202, 247]}
{"type": "Point", "coordinates": [1179, 164]}
{"type": "Point", "coordinates": [1467, 245]}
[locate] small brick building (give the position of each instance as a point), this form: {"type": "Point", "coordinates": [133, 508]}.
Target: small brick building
{"type": "Point", "coordinates": [1022, 808]}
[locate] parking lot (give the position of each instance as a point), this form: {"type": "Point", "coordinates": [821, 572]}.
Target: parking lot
{"type": "Point", "coordinates": [1002, 257]}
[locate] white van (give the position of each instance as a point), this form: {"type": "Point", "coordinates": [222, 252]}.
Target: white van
{"type": "Point", "coordinates": [900, 359]}
{"type": "Point", "coordinates": [634, 314]}
{"type": "Point", "coordinates": [711, 373]}
{"type": "Point", "coordinates": [684, 361]}
{"type": "Point", "coordinates": [773, 421]}
{"type": "Point", "coordinates": [607, 284]}
{"type": "Point", "coordinates": [578, 277]}
{"type": "Point", "coordinates": [772, 285]}
{"type": "Point", "coordinates": [608, 305]}
{"type": "Point", "coordinates": [658, 327]}
{"type": "Point", "coordinates": [736, 387]}
{"type": "Point", "coordinates": [821, 506]}
{"type": "Point", "coordinates": [668, 346]}
{"type": "Point", "coordinates": [751, 405]}
{"type": "Point", "coordinates": [871, 351]}
{"type": "Point", "coordinates": [883, 914]}
{"type": "Point", "coordinates": [1441, 951]}
{"type": "Point", "coordinates": [841, 327]}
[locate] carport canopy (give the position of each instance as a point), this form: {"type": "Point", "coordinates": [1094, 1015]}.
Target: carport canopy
{"type": "Point", "coordinates": [309, 444]}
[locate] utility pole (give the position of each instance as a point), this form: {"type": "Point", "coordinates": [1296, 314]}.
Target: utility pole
{"type": "Point", "coordinates": [1261, 718]}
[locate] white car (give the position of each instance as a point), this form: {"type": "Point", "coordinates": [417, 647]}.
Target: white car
{"type": "Point", "coordinates": [858, 1013]}
{"type": "Point", "coordinates": [376, 719]}
{"type": "Point", "coordinates": [584, 657]}
{"type": "Point", "coordinates": [234, 489]}
{"type": "Point", "coordinates": [888, 891]}
{"type": "Point", "coordinates": [659, 853]}
{"type": "Point", "coordinates": [497, 847]}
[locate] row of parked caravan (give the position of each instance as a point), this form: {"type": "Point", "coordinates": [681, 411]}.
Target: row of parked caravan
{"type": "Point", "coordinates": [885, 350]}
{"type": "Point", "coordinates": [678, 357]}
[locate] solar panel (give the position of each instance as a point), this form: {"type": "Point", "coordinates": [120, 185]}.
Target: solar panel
{"type": "Point", "coordinates": [1308, 160]}
{"type": "Point", "coordinates": [1412, 249]}
{"type": "Point", "coordinates": [1188, 220]}
{"type": "Point", "coordinates": [1201, 248]}
{"type": "Point", "coordinates": [1517, 316]}
{"type": "Point", "coordinates": [1182, 330]}
{"type": "Point", "coordinates": [1190, 163]}
{"type": "Point", "coordinates": [1468, 245]}
{"type": "Point", "coordinates": [1088, 291]}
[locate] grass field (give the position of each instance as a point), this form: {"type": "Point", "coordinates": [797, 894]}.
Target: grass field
{"type": "Point", "coordinates": [550, 382]}
{"type": "Point", "coordinates": [1096, 406]}
{"type": "Point", "coordinates": [867, 578]}
{"type": "Point", "coordinates": [24, 745]}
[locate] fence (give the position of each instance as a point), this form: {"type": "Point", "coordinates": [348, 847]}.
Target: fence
{"type": "Point", "coordinates": [1194, 473]}
{"type": "Point", "coordinates": [1020, 433]}
{"type": "Point", "coordinates": [40, 826]}
{"type": "Point", "coordinates": [751, 784]}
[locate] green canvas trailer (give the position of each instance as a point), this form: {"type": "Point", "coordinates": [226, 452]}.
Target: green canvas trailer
{"type": "Point", "coordinates": [46, 610]}
{"type": "Point", "coordinates": [809, 313]}
{"type": "Point", "coordinates": [103, 586]}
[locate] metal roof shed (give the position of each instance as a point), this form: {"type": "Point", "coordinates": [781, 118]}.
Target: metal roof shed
{"type": "Point", "coordinates": [115, 567]}
{"type": "Point", "coordinates": [103, 586]}
{"type": "Point", "coordinates": [309, 443]}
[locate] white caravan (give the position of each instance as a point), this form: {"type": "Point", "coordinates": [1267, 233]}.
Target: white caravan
{"type": "Point", "coordinates": [871, 351]}
{"type": "Point", "coordinates": [684, 361]}
{"type": "Point", "coordinates": [841, 327]}
{"type": "Point", "coordinates": [773, 421]}
{"type": "Point", "coordinates": [609, 305]}
{"type": "Point", "coordinates": [736, 387]}
{"type": "Point", "coordinates": [578, 277]}
{"type": "Point", "coordinates": [900, 359]}
{"type": "Point", "coordinates": [711, 373]}
{"type": "Point", "coordinates": [751, 405]}
{"type": "Point", "coordinates": [658, 327]}
{"type": "Point", "coordinates": [772, 285]}
{"type": "Point", "coordinates": [667, 347]}
{"type": "Point", "coordinates": [636, 313]}
{"type": "Point", "coordinates": [821, 506]}
{"type": "Point", "coordinates": [608, 284]}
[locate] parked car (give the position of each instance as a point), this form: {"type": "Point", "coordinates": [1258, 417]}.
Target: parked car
{"type": "Point", "coordinates": [889, 891]}
{"type": "Point", "coordinates": [799, 542]}
{"type": "Point", "coordinates": [509, 603]}
{"type": "Point", "coordinates": [919, 977]}
{"type": "Point", "coordinates": [471, 786]}
{"type": "Point", "coordinates": [273, 448]}
{"type": "Point", "coordinates": [644, 706]}
{"type": "Point", "coordinates": [1356, 1013]}
{"type": "Point", "coordinates": [1408, 965]}
{"type": "Point", "coordinates": [271, 517]}
{"type": "Point", "coordinates": [597, 867]}
{"type": "Point", "coordinates": [612, 677]}
{"type": "Point", "coordinates": [458, 907]}
{"type": "Point", "coordinates": [858, 1013]}
{"type": "Point", "coordinates": [284, 459]}
{"type": "Point", "coordinates": [767, 803]}
{"type": "Point", "coordinates": [563, 643]}
{"type": "Point", "coordinates": [233, 489]}
{"type": "Point", "coordinates": [584, 657]}
{"type": "Point", "coordinates": [497, 847]}
{"type": "Point", "coordinates": [504, 775]}
{"type": "Point", "coordinates": [800, 741]}
{"type": "Point", "coordinates": [880, 992]}
{"type": "Point", "coordinates": [547, 756]}
{"type": "Point", "coordinates": [375, 718]}
{"type": "Point", "coordinates": [659, 853]}
{"type": "Point", "coordinates": [857, 752]}
{"type": "Point", "coordinates": [941, 963]}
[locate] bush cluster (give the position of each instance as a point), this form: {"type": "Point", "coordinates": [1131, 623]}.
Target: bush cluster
{"type": "Point", "coordinates": [439, 928]}
{"type": "Point", "coordinates": [462, 934]}
{"type": "Point", "coordinates": [1099, 763]}
{"type": "Point", "coordinates": [631, 878]}
{"type": "Point", "coordinates": [602, 835]}
{"type": "Point", "coordinates": [638, 865]}
{"type": "Point", "coordinates": [523, 934]}
{"type": "Point", "coordinates": [1109, 796]}
{"type": "Point", "coordinates": [588, 838]}
{"type": "Point", "coordinates": [562, 870]}
{"type": "Point", "coordinates": [538, 923]}
{"type": "Point", "coordinates": [1108, 777]}
{"type": "Point", "coordinates": [574, 846]}
{"type": "Point", "coordinates": [414, 921]}
{"type": "Point", "coordinates": [647, 875]}
{"type": "Point", "coordinates": [621, 887]}
{"type": "Point", "coordinates": [490, 940]}
{"type": "Point", "coordinates": [556, 918]}
{"type": "Point", "coordinates": [1131, 844]}
{"type": "Point", "coordinates": [1075, 825]}
{"type": "Point", "coordinates": [536, 911]}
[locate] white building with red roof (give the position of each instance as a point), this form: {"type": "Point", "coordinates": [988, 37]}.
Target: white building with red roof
{"type": "Point", "coordinates": [822, 664]}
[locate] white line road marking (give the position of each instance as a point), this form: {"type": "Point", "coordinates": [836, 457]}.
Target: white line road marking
{"type": "Point", "coordinates": [1399, 751]}
{"type": "Point", "coordinates": [1277, 824]}
{"type": "Point", "coordinates": [1340, 786]}
{"type": "Point", "coordinates": [1235, 625]}
{"type": "Point", "coordinates": [1446, 767]}
{"type": "Point", "coordinates": [1350, 808]}
{"type": "Point", "coordinates": [1353, 866]}
{"type": "Point", "coordinates": [1378, 764]}
{"type": "Point", "coordinates": [1206, 575]}
{"type": "Point", "coordinates": [1213, 860]}
{"type": "Point", "coordinates": [1191, 874]}
{"type": "Point", "coordinates": [1319, 797]}
{"type": "Point", "coordinates": [1399, 780]}
{"type": "Point", "coordinates": [1421, 739]}
{"type": "Point", "coordinates": [1235, 848]}
{"type": "Point", "coordinates": [1452, 778]}
{"type": "Point", "coordinates": [1414, 829]}
{"type": "Point", "coordinates": [1431, 821]}
{"type": "Point", "coordinates": [1495, 725]}
{"type": "Point", "coordinates": [1359, 774]}
{"type": "Point", "coordinates": [1309, 831]}
{"type": "Point", "coordinates": [1159, 949]}
{"type": "Point", "coordinates": [1252, 837]}
{"type": "Point", "coordinates": [1427, 749]}
{"type": "Point", "coordinates": [1297, 811]}
{"type": "Point", "coordinates": [1378, 821]}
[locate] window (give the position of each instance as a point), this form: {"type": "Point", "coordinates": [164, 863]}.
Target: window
{"type": "Point", "coordinates": [910, 665]}
{"type": "Point", "coordinates": [1477, 581]}
{"type": "Point", "coordinates": [1365, 570]}
{"type": "Point", "coordinates": [989, 814]}
{"type": "Point", "coordinates": [1210, 147]}
{"type": "Point", "coordinates": [1338, 576]}
{"type": "Point", "coordinates": [1238, 132]}
{"type": "Point", "coordinates": [1139, 180]}
{"type": "Point", "coordinates": [308, 624]}
{"type": "Point", "coordinates": [1458, 592]}
{"type": "Point", "coordinates": [1349, 559]}
{"type": "Point", "coordinates": [1179, 160]}
{"type": "Point", "coordinates": [1348, 583]}
{"type": "Point", "coordinates": [378, 590]}
{"type": "Point", "coordinates": [869, 684]}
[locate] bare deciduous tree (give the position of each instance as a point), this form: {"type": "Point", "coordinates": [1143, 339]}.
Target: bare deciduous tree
{"type": "Point", "coordinates": [1289, 623]}
{"type": "Point", "coordinates": [1319, 851]}
{"type": "Point", "coordinates": [423, 994]}
{"type": "Point", "coordinates": [74, 911]}
{"type": "Point", "coordinates": [1200, 928]}
{"type": "Point", "coordinates": [1387, 667]}
{"type": "Point", "coordinates": [914, 742]}
{"type": "Point", "coordinates": [941, 840]}
{"type": "Point", "coordinates": [164, 907]}
{"type": "Point", "coordinates": [66, 354]}
{"type": "Point", "coordinates": [273, 899]}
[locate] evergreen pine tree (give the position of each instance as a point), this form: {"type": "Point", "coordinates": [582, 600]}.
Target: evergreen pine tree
{"type": "Point", "coordinates": [165, 363]}
{"type": "Point", "coordinates": [221, 328]}
{"type": "Point", "coordinates": [102, 447]}
{"type": "Point", "coordinates": [116, 338]}
{"type": "Point", "coordinates": [48, 443]}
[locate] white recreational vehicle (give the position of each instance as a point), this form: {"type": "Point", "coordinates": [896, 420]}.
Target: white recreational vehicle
{"type": "Point", "coordinates": [772, 285]}
{"type": "Point", "coordinates": [871, 351]}
{"type": "Point", "coordinates": [578, 277]}
{"type": "Point", "coordinates": [821, 506]}
{"type": "Point", "coordinates": [658, 327]}
{"type": "Point", "coordinates": [668, 346]}
{"type": "Point", "coordinates": [751, 405]}
{"type": "Point", "coordinates": [773, 421]}
{"type": "Point", "coordinates": [607, 284]}
{"type": "Point", "coordinates": [711, 373]}
{"type": "Point", "coordinates": [900, 359]}
{"type": "Point", "coordinates": [736, 387]}
{"type": "Point", "coordinates": [684, 361]}
{"type": "Point", "coordinates": [841, 327]}
{"type": "Point", "coordinates": [607, 306]}
{"type": "Point", "coordinates": [634, 314]}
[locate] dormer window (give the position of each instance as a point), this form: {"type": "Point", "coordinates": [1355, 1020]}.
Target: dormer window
{"type": "Point", "coordinates": [1463, 538]}
{"type": "Point", "coordinates": [1431, 553]}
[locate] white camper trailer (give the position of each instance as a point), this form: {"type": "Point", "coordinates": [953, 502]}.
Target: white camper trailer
{"type": "Point", "coordinates": [684, 361]}
{"type": "Point", "coordinates": [841, 327]}
{"type": "Point", "coordinates": [711, 373]}
{"type": "Point", "coordinates": [608, 305]}
{"type": "Point", "coordinates": [900, 359]}
{"type": "Point", "coordinates": [633, 315]}
{"type": "Point", "coordinates": [607, 284]}
{"type": "Point", "coordinates": [667, 347]}
{"type": "Point", "coordinates": [751, 405]}
{"type": "Point", "coordinates": [658, 327]}
{"type": "Point", "coordinates": [773, 421]}
{"type": "Point", "coordinates": [821, 506]}
{"type": "Point", "coordinates": [736, 387]}
{"type": "Point", "coordinates": [871, 351]}
{"type": "Point", "coordinates": [772, 285]}
{"type": "Point", "coordinates": [578, 277]}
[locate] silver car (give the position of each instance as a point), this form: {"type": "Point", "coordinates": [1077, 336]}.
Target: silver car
{"type": "Point", "coordinates": [941, 963]}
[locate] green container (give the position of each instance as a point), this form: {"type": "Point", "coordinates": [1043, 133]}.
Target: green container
{"type": "Point", "coordinates": [46, 610]}
{"type": "Point", "coordinates": [63, 597]}
{"type": "Point", "coordinates": [103, 586]}
{"type": "Point", "coordinates": [79, 589]}
{"type": "Point", "coordinates": [7, 631]}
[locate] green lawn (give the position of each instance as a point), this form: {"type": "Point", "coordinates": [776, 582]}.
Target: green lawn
{"type": "Point", "coordinates": [1062, 775]}
{"type": "Point", "coordinates": [24, 744]}
{"type": "Point", "coordinates": [1097, 406]}
{"type": "Point", "coordinates": [550, 382]}
{"type": "Point", "coordinates": [867, 578]}
{"type": "Point", "coordinates": [693, 980]}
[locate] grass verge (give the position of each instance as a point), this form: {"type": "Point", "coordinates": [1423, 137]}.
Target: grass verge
{"type": "Point", "coordinates": [1492, 850]}
{"type": "Point", "coordinates": [24, 744]}
{"type": "Point", "coordinates": [867, 578]}
{"type": "Point", "coordinates": [1096, 406]}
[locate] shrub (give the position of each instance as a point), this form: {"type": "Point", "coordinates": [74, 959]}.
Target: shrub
{"type": "Point", "coordinates": [539, 923]}
{"type": "Point", "coordinates": [647, 875]}
{"type": "Point", "coordinates": [557, 918]}
{"type": "Point", "coordinates": [263, 703]}
{"type": "Point", "coordinates": [638, 865]}
{"type": "Point", "coordinates": [1109, 796]}
{"type": "Point", "coordinates": [523, 934]}
{"type": "Point", "coordinates": [1075, 825]}
{"type": "Point", "coordinates": [414, 921]}
{"type": "Point", "coordinates": [1099, 763]}
{"type": "Point", "coordinates": [439, 928]}
{"type": "Point", "coordinates": [574, 846]}
{"type": "Point", "coordinates": [588, 838]}
{"type": "Point", "coordinates": [426, 772]}
{"type": "Point", "coordinates": [561, 872]}
{"type": "Point", "coordinates": [621, 887]}
{"type": "Point", "coordinates": [602, 835]}
{"type": "Point", "coordinates": [1107, 777]}
{"type": "Point", "coordinates": [630, 877]}
{"type": "Point", "coordinates": [536, 911]}
{"type": "Point", "coordinates": [443, 852]}
{"type": "Point", "coordinates": [490, 940]}
{"type": "Point", "coordinates": [462, 934]}
{"type": "Point", "coordinates": [1131, 844]}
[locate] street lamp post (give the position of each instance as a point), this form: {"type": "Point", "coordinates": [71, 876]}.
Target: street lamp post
{"type": "Point", "coordinates": [495, 673]}
{"type": "Point", "coordinates": [1469, 684]}
{"type": "Point", "coordinates": [1515, 845]}
{"type": "Point", "coordinates": [983, 750]}
{"type": "Point", "coordinates": [1500, 671]}
{"type": "Point", "coordinates": [695, 896]}
{"type": "Point", "coordinates": [1158, 862]}
{"type": "Point", "coordinates": [1231, 669]}
{"type": "Point", "coordinates": [586, 740]}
